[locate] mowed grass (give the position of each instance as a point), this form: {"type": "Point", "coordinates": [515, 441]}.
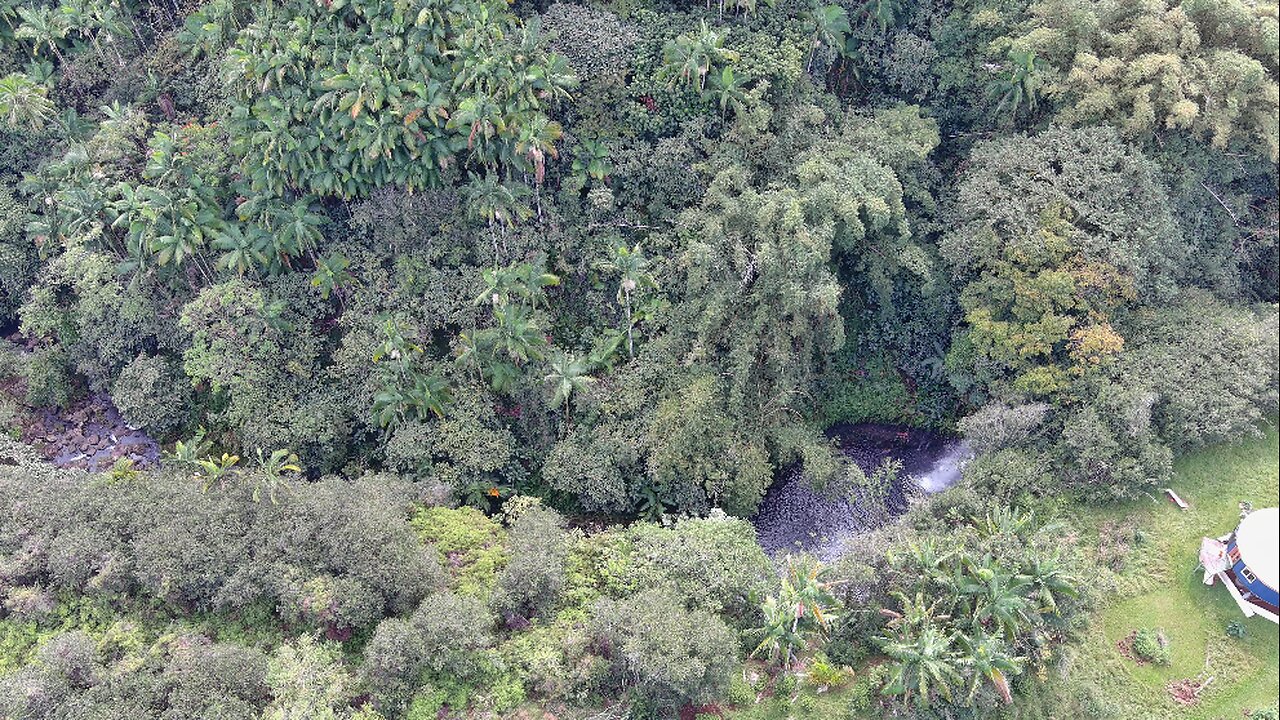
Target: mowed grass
{"type": "Point", "coordinates": [1162, 589]}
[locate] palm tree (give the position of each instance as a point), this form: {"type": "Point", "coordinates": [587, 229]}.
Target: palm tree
{"type": "Point", "coordinates": [1021, 86]}
{"type": "Point", "coordinates": [730, 90]}
{"type": "Point", "coordinates": [242, 250]}
{"type": "Point", "coordinates": [522, 281]}
{"type": "Point", "coordinates": [499, 352]}
{"type": "Point", "coordinates": [779, 638]}
{"type": "Point", "coordinates": [24, 103]}
{"type": "Point", "coordinates": [498, 204]}
{"type": "Point", "coordinates": [536, 142]}
{"type": "Point", "coordinates": [273, 473]}
{"type": "Point", "coordinates": [882, 12]}
{"type": "Point", "coordinates": [924, 663]}
{"type": "Point", "coordinates": [484, 120]}
{"type": "Point", "coordinates": [566, 376]}
{"type": "Point", "coordinates": [518, 334]}
{"type": "Point", "coordinates": [988, 657]}
{"type": "Point", "coordinates": [805, 606]}
{"type": "Point", "coordinates": [691, 58]}
{"type": "Point", "coordinates": [44, 27]}
{"type": "Point", "coordinates": [829, 25]}
{"type": "Point", "coordinates": [995, 597]}
{"type": "Point", "coordinates": [632, 268]}
{"type": "Point", "coordinates": [1046, 582]}
{"type": "Point", "coordinates": [296, 230]}
{"type": "Point", "coordinates": [429, 395]}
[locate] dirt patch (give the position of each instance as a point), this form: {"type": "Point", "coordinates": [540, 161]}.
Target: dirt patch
{"type": "Point", "coordinates": [1186, 692]}
{"type": "Point", "coordinates": [1125, 646]}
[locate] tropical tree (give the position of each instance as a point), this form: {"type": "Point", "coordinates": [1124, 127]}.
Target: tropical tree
{"type": "Point", "coordinates": [729, 90]}
{"type": "Point", "coordinates": [988, 657]}
{"type": "Point", "coordinates": [592, 160]}
{"type": "Point", "coordinates": [1047, 582]}
{"type": "Point", "coordinates": [566, 376]}
{"type": "Point", "coordinates": [925, 663]}
{"type": "Point", "coordinates": [691, 57]}
{"type": "Point", "coordinates": [882, 12]}
{"type": "Point", "coordinates": [24, 102]}
{"type": "Point", "coordinates": [1021, 87]}
{"type": "Point", "coordinates": [828, 27]}
{"type": "Point", "coordinates": [632, 268]}
{"type": "Point", "coordinates": [243, 248]}
{"type": "Point", "coordinates": [273, 473]}
{"type": "Point", "coordinates": [332, 275]}
{"type": "Point", "coordinates": [44, 27]}
{"type": "Point", "coordinates": [522, 282]}
{"type": "Point", "coordinates": [995, 597]}
{"type": "Point", "coordinates": [405, 391]}
{"type": "Point", "coordinates": [804, 608]}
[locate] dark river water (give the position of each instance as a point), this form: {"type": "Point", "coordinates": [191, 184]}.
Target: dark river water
{"type": "Point", "coordinates": [795, 516]}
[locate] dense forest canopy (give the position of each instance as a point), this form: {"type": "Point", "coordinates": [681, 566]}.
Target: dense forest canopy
{"type": "Point", "coordinates": [473, 332]}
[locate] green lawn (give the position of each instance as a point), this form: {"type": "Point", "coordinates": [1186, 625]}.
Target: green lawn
{"type": "Point", "coordinates": [1161, 590]}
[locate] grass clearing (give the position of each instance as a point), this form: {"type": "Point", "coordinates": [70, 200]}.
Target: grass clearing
{"type": "Point", "coordinates": [1161, 589]}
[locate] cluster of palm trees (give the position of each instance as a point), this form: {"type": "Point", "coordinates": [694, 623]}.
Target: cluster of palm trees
{"type": "Point", "coordinates": [105, 24]}
{"type": "Point", "coordinates": [958, 622]}
{"type": "Point", "coordinates": [177, 216]}
{"type": "Point", "coordinates": [969, 617]}
{"type": "Point", "coordinates": [804, 610]}
{"type": "Point", "coordinates": [399, 99]}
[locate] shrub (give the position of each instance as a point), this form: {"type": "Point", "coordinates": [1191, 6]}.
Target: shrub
{"type": "Point", "coordinates": [168, 540]}
{"type": "Point", "coordinates": [1264, 713]}
{"type": "Point", "coordinates": [597, 43]}
{"type": "Point", "coordinates": [1227, 390]}
{"type": "Point", "coordinates": [48, 379]}
{"type": "Point", "coordinates": [714, 564]}
{"type": "Point", "coordinates": [532, 583]}
{"type": "Point", "coordinates": [444, 638]}
{"type": "Point", "coordinates": [740, 693]}
{"type": "Point", "coordinates": [216, 681]}
{"type": "Point", "coordinates": [307, 680]}
{"type": "Point", "coordinates": [151, 392]}
{"type": "Point", "coordinates": [472, 544]}
{"type": "Point", "coordinates": [1152, 646]}
{"type": "Point", "coordinates": [663, 653]}
{"type": "Point", "coordinates": [1009, 474]}
{"type": "Point", "coordinates": [997, 426]}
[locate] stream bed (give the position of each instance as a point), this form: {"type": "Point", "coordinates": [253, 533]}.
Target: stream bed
{"type": "Point", "coordinates": [795, 516]}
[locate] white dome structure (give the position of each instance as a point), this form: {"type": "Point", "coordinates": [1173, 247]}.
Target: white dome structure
{"type": "Point", "coordinates": [1248, 562]}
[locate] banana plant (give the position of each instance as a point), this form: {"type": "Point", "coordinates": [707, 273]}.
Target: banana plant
{"type": "Point", "coordinates": [273, 473]}
{"type": "Point", "coordinates": [216, 471]}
